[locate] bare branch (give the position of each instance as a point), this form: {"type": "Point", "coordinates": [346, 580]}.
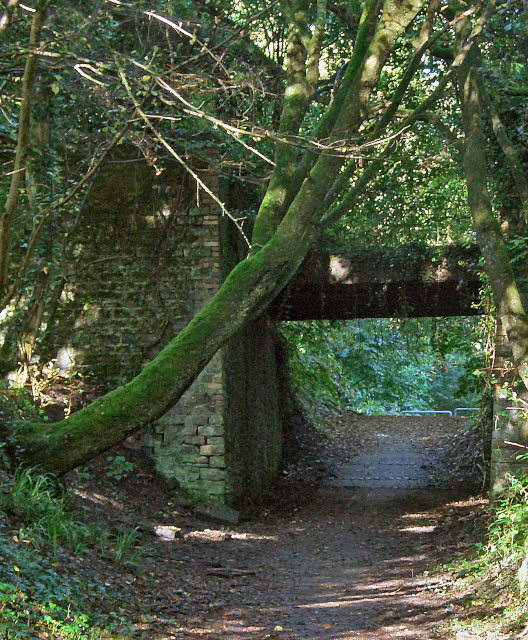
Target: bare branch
{"type": "Point", "coordinates": [176, 156]}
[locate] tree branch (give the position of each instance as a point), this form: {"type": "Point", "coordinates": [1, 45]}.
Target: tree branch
{"type": "Point", "coordinates": [7, 15]}
{"type": "Point", "coordinates": [489, 235]}
{"type": "Point", "coordinates": [302, 75]}
{"type": "Point", "coordinates": [28, 83]}
{"type": "Point", "coordinates": [512, 157]}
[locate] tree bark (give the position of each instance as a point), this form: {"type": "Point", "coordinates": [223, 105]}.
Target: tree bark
{"type": "Point", "coordinates": [509, 150]}
{"type": "Point", "coordinates": [302, 76]}
{"type": "Point", "coordinates": [489, 236]}
{"type": "Point", "coordinates": [19, 165]}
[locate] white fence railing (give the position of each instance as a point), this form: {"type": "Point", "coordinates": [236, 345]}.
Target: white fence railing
{"type": "Point", "coordinates": [458, 412]}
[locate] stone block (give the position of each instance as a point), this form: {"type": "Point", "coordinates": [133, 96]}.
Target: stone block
{"type": "Point", "coordinates": [217, 461]}
{"type": "Point", "coordinates": [166, 466]}
{"type": "Point", "coordinates": [190, 430]}
{"type": "Point", "coordinates": [212, 474]}
{"type": "Point", "coordinates": [217, 442]}
{"type": "Point", "coordinates": [508, 455]}
{"type": "Point", "coordinates": [211, 450]}
{"type": "Point", "coordinates": [196, 440]}
{"type": "Point", "coordinates": [188, 449]}
{"type": "Point", "coordinates": [500, 472]}
{"type": "Point", "coordinates": [188, 421]}
{"type": "Point", "coordinates": [172, 438]}
{"type": "Point", "coordinates": [211, 430]}
{"type": "Point", "coordinates": [214, 490]}
{"type": "Point", "coordinates": [186, 475]}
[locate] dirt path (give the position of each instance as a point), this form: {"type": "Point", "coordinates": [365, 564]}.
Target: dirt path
{"type": "Point", "coordinates": [349, 565]}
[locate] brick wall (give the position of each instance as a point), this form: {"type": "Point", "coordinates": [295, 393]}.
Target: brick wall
{"type": "Point", "coordinates": [149, 255]}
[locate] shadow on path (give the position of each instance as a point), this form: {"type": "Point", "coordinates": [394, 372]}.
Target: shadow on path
{"type": "Point", "coordinates": [350, 565]}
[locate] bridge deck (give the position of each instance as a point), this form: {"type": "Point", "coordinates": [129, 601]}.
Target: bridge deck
{"type": "Point", "coordinates": [379, 284]}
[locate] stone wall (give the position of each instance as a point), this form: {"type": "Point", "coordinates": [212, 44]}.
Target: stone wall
{"type": "Point", "coordinates": [146, 257]}
{"type": "Point", "coordinates": [188, 441]}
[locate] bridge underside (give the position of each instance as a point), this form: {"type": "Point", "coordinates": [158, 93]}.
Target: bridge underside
{"type": "Point", "coordinates": [377, 300]}
{"type": "Point", "coordinates": [381, 285]}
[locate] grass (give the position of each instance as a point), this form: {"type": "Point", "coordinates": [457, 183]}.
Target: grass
{"type": "Point", "coordinates": [41, 593]}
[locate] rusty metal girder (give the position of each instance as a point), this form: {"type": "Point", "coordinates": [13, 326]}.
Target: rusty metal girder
{"type": "Point", "coordinates": [381, 284]}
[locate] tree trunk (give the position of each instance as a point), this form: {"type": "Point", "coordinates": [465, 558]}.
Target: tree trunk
{"type": "Point", "coordinates": [491, 242]}
{"type": "Point", "coordinates": [19, 165]}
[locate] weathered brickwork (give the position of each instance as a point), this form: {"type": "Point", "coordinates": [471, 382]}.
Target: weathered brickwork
{"type": "Point", "coordinates": [147, 258]}
{"type": "Point", "coordinates": [150, 254]}
{"type": "Point", "coordinates": [188, 441]}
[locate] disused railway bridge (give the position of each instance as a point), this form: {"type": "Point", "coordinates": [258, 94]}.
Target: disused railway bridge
{"type": "Point", "coordinates": [238, 450]}
{"type": "Point", "coordinates": [131, 292]}
{"type": "Point", "coordinates": [410, 281]}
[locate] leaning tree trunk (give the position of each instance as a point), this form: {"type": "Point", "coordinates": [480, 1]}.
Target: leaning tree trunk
{"type": "Point", "coordinates": [248, 289]}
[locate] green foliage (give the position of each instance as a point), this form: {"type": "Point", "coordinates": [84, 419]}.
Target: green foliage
{"type": "Point", "coordinates": [124, 548]}
{"type": "Point", "coordinates": [43, 507]}
{"type": "Point", "coordinates": [508, 532]}
{"type": "Point", "coordinates": [41, 594]}
{"type": "Point", "coordinates": [118, 467]}
{"type": "Point", "coordinates": [385, 366]}
{"type": "Point", "coordinates": [500, 566]}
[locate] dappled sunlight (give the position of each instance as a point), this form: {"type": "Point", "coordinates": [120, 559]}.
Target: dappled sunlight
{"type": "Point", "coordinates": [353, 563]}
{"type": "Point", "coordinates": [416, 529]}
{"type": "Point", "coordinates": [97, 498]}
{"type": "Point", "coordinates": [220, 534]}
{"type": "Point", "coordinates": [350, 564]}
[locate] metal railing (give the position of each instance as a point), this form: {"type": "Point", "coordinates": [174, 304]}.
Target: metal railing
{"type": "Point", "coordinates": [473, 409]}
{"type": "Point", "coordinates": [420, 412]}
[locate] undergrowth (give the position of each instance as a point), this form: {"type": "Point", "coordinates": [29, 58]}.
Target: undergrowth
{"type": "Point", "coordinates": [498, 573]}
{"type": "Point", "coordinates": [43, 545]}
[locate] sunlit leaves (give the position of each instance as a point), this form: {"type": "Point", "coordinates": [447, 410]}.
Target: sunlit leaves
{"type": "Point", "coordinates": [385, 366]}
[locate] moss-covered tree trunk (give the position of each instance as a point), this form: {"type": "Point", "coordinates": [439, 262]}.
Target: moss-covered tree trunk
{"type": "Point", "coordinates": [489, 236]}
{"type": "Point", "coordinates": [285, 228]}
